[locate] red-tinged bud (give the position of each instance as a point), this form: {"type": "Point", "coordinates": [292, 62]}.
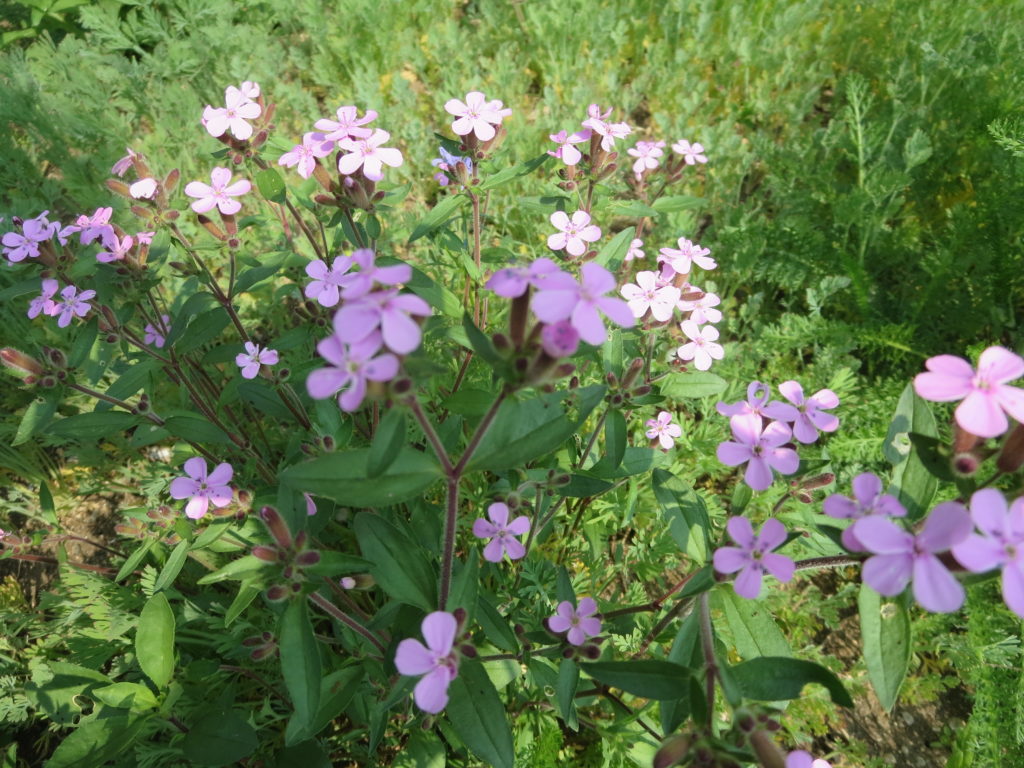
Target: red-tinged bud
{"type": "Point", "coordinates": [171, 215]}
{"type": "Point", "coordinates": [591, 652]}
{"type": "Point", "coordinates": [19, 361]}
{"type": "Point", "coordinates": [568, 653]}
{"type": "Point", "coordinates": [296, 587]}
{"type": "Point", "coordinates": [237, 159]}
{"type": "Point", "coordinates": [268, 113]}
{"type": "Point", "coordinates": [804, 497]}
{"type": "Point", "coordinates": [636, 365]}
{"type": "Point", "coordinates": [266, 652]}
{"type": "Point", "coordinates": [468, 651]}
{"type": "Point", "coordinates": [322, 199]}
{"type": "Point", "coordinates": [307, 559]}
{"type": "Point", "coordinates": [401, 386]}
{"type": "Point", "coordinates": [612, 379]}
{"type": "Point", "coordinates": [210, 227]}
{"type": "Point", "coordinates": [171, 180]}
{"type": "Point", "coordinates": [111, 338]}
{"type": "Point", "coordinates": [559, 480]}
{"type": "Point", "coordinates": [1011, 455]}
{"type": "Point", "coordinates": [460, 619]}
{"type": "Point", "coordinates": [644, 389]}
{"type": "Point", "coordinates": [260, 138]}
{"type": "Point", "coordinates": [277, 527]}
{"type": "Point", "coordinates": [230, 223]}
{"type": "Point", "coordinates": [266, 554]}
{"type": "Point", "coordinates": [234, 243]}
{"type": "Point", "coordinates": [963, 440]}
{"type": "Point", "coordinates": [672, 752]}
{"type": "Point", "coordinates": [277, 593]}
{"type": "Point", "coordinates": [818, 481]}
{"type": "Point", "coordinates": [768, 753]}
{"type": "Point", "coordinates": [608, 171]}
{"type": "Point", "coordinates": [461, 173]}
{"type": "Point", "coordinates": [565, 369]}
{"type": "Point", "coordinates": [692, 296]}
{"type": "Point", "coordinates": [301, 540]}
{"type": "Point", "coordinates": [143, 213]}
{"type": "Point", "coordinates": [965, 464]}
{"type": "Point", "coordinates": [328, 442]}
{"type": "Point", "coordinates": [519, 315]}
{"type": "Point", "coordinates": [48, 382]}
{"type": "Point", "coordinates": [501, 342]}
{"type": "Point", "coordinates": [118, 188]}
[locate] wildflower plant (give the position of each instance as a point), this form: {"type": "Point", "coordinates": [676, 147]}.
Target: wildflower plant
{"type": "Point", "coordinates": [411, 418]}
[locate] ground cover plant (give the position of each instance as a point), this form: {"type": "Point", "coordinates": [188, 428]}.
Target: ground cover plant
{"type": "Point", "coordinates": [486, 460]}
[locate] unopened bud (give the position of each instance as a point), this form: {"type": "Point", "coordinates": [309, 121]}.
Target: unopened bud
{"type": "Point", "coordinates": [171, 180]}
{"type": "Point", "coordinates": [501, 342]}
{"type": "Point", "coordinates": [965, 464]}
{"type": "Point", "coordinates": [1011, 456]}
{"type": "Point", "coordinates": [643, 389]}
{"type": "Point", "coordinates": [19, 361]}
{"type": "Point", "coordinates": [171, 214]}
{"type": "Point", "coordinates": [328, 443]}
{"type": "Point", "coordinates": [460, 618]}
{"type": "Point", "coordinates": [963, 440]}
{"type": "Point", "coordinates": [276, 526]}
{"type": "Point", "coordinates": [401, 386]}
{"type": "Point", "coordinates": [48, 382]}
{"type": "Point", "coordinates": [468, 651]}
{"type": "Point", "coordinates": [323, 199]}
{"type": "Point", "coordinates": [591, 652]}
{"type": "Point", "coordinates": [308, 558]}
{"type": "Point", "coordinates": [635, 366]}
{"type": "Point", "coordinates": [672, 752]}
{"type": "Point", "coordinates": [277, 593]}
{"type": "Point", "coordinates": [260, 138]}
{"type": "Point", "coordinates": [266, 554]}
{"type": "Point", "coordinates": [118, 188]}
{"type": "Point", "coordinates": [768, 753]}
{"type": "Point", "coordinates": [142, 213]}
{"type": "Point", "coordinates": [611, 379]}
{"type": "Point", "coordinates": [212, 228]}
{"type": "Point", "coordinates": [818, 481]}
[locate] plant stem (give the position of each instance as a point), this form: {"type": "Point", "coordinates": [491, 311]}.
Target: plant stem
{"type": "Point", "coordinates": [447, 559]}
{"type": "Point", "coordinates": [334, 611]}
{"type": "Point", "coordinates": [707, 644]}
{"type": "Point", "coordinates": [431, 433]}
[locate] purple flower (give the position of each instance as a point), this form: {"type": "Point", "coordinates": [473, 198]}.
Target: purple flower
{"type": "Point", "coordinates": [560, 339]}
{"type": "Point", "coordinates": [868, 499]}
{"type": "Point", "coordinates": [436, 661]}
{"type": "Point", "coordinates": [325, 287]}
{"type": "Point", "coordinates": [682, 259]}
{"type": "Point", "coordinates": [95, 227]}
{"type": "Point", "coordinates": [999, 544]}
{"type": "Point", "coordinates": [18, 247]}
{"type": "Point", "coordinates": [43, 303]}
{"type": "Point", "coordinates": [801, 759]}
{"type": "Point", "coordinates": [355, 285]}
{"type": "Point", "coordinates": [757, 398]}
{"type": "Point", "coordinates": [702, 346]}
{"type": "Point", "coordinates": [351, 366]}
{"type": "Point", "coordinates": [646, 154]}
{"type": "Point", "coordinates": [985, 394]}
{"type": "Point", "coordinates": [609, 132]}
{"type": "Point", "coordinates": [390, 311]}
{"type": "Point", "coordinates": [692, 153]}
{"type": "Point", "coordinates": [476, 115]}
{"type": "Point", "coordinates": [253, 357]}
{"type": "Point", "coordinates": [122, 165]}
{"type": "Point", "coordinates": [753, 557]}
{"type": "Point", "coordinates": [72, 304]}
{"type": "Point", "coordinates": [566, 152]}
{"type": "Point", "coordinates": [806, 416]}
{"type": "Point", "coordinates": [116, 250]}
{"type": "Point", "coordinates": [511, 282]}
{"type": "Point", "coordinates": [219, 194]}
{"type": "Point", "coordinates": [348, 125]}
{"type": "Point", "coordinates": [580, 623]}
{"type": "Point", "coordinates": [304, 155]}
{"type": "Point", "coordinates": [310, 504]}
{"type": "Point", "coordinates": [502, 533]}
{"type": "Point", "coordinates": [701, 310]}
{"type": "Point", "coordinates": [574, 233]}
{"type": "Point", "coordinates": [368, 154]}
{"type": "Point", "coordinates": [144, 189]}
{"type": "Point", "coordinates": [157, 334]}
{"type": "Point", "coordinates": [447, 163]}
{"type": "Point", "coordinates": [663, 430]}
{"type": "Point", "coordinates": [234, 116]}
{"type": "Point", "coordinates": [650, 294]}
{"type": "Point", "coordinates": [201, 489]}
{"type": "Point", "coordinates": [901, 557]}
{"type": "Point", "coordinates": [635, 249]}
{"type": "Point", "coordinates": [580, 304]}
{"type": "Point", "coordinates": [760, 449]}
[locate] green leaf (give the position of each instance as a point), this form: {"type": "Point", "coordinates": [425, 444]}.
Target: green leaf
{"type": "Point", "coordinates": [649, 679]}
{"type": "Point", "coordinates": [195, 428]}
{"type": "Point", "coordinates": [477, 716]}
{"type": "Point", "coordinates": [93, 426]}
{"type": "Point", "coordinates": [438, 215]}
{"type": "Point", "coordinates": [203, 329]}
{"type": "Point", "coordinates": [154, 640]}
{"type": "Point", "coordinates": [195, 304]}
{"type": "Point", "coordinates": [236, 570]}
{"type": "Point", "coordinates": [565, 692]}
{"type": "Point", "coordinates": [615, 438]}
{"type": "Point", "coordinates": [271, 185]}
{"type": "Point", "coordinates": [130, 382]}
{"type": "Point", "coordinates": [481, 344]}
{"type": "Point", "coordinates": [494, 625]}
{"type": "Point", "coordinates": [685, 651]}
{"type": "Point", "coordinates": [465, 582]}
{"type": "Point", "coordinates": [300, 662]}
{"type": "Point", "coordinates": [134, 696]}
{"type": "Point", "coordinates": [308, 754]}
{"type": "Point", "coordinates": [57, 688]}
{"type": "Point", "coordinates": [693, 384]}
{"type": "Point", "coordinates": [526, 430]}
{"type": "Point", "coordinates": [336, 691]}
{"type": "Point", "coordinates": [400, 566]}
{"type": "Point", "coordinates": [685, 512]}
{"type": "Point", "coordinates": [250, 277]}
{"type": "Point", "coordinates": [247, 592]}
{"type": "Point", "coordinates": [218, 736]}
{"type": "Point", "coordinates": [508, 174]}
{"type": "Point", "coordinates": [775, 678]}
{"type": "Point", "coordinates": [387, 442]}
{"type": "Point", "coordinates": [754, 631]}
{"type": "Point", "coordinates": [84, 340]}
{"type": "Point", "coordinates": [36, 417]}
{"type": "Point", "coordinates": [435, 294]}
{"type": "Point", "coordinates": [631, 208]}
{"type": "Point", "coordinates": [635, 460]}
{"type": "Point", "coordinates": [911, 482]}
{"type": "Point", "coordinates": [612, 255]}
{"type": "Point", "coordinates": [886, 633]}
{"type": "Point", "coordinates": [172, 567]}
{"type": "Point", "coordinates": [342, 476]}
{"type": "Point", "coordinates": [96, 742]}
{"type": "Point", "coordinates": [677, 203]}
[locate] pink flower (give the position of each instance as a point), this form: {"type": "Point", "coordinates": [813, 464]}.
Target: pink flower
{"type": "Point", "coordinates": [663, 430]}
{"type": "Point", "coordinates": [502, 533]}
{"type": "Point", "coordinates": [250, 91]}
{"type": "Point", "coordinates": [311, 510]}
{"type": "Point", "coordinates": [348, 125]}
{"type": "Point", "coordinates": [234, 116]}
{"type": "Point", "coordinates": [144, 238]}
{"type": "Point", "coordinates": [220, 194]}
{"type": "Point", "coordinates": [985, 394]}
{"type": "Point", "coordinates": [390, 311]}
{"type": "Point", "coordinates": [448, 164]}
{"type": "Point", "coordinates": [646, 154]}
{"type": "Point", "coordinates": [692, 153]}
{"type": "Point", "coordinates": [573, 233]}
{"type": "Point", "coordinates": [143, 189]}
{"type": "Point", "coordinates": [437, 661]}
{"type": "Point", "coordinates": [325, 287]}
{"type": "Point", "coordinates": [201, 489]}
{"type": "Point", "coordinates": [608, 132]}
{"type": "Point", "coordinates": [760, 449]}
{"type": "Point", "coordinates": [683, 258]}
{"type": "Point", "coordinates": [476, 115]}
{"type": "Point", "coordinates": [351, 366]}
{"type": "Point", "coordinates": [18, 247]}
{"type": "Point", "coordinates": [702, 347]}
{"type": "Point", "coordinates": [560, 339]}
{"type": "Point", "coordinates": [806, 416]}
{"type": "Point", "coordinates": [72, 304]}
{"type": "Point", "coordinates": [580, 623]}
{"type": "Point", "coordinates": [511, 282]}
{"type": "Point", "coordinates": [355, 285]}
{"type": "Point", "coordinates": [116, 250]}
{"type": "Point", "coordinates": [648, 294]}
{"type": "Point", "coordinates": [635, 250]}
{"type": "Point", "coordinates": [43, 303]}
{"type": "Point", "coordinates": [757, 399]}
{"type": "Point", "coordinates": [868, 499]}
{"type": "Point", "coordinates": [122, 165]}
{"type": "Point", "coordinates": [566, 152]}
{"type": "Point", "coordinates": [999, 545]}
{"type": "Point", "coordinates": [702, 310]}
{"type": "Point", "coordinates": [753, 557]}
{"type": "Point", "coordinates": [157, 335]}
{"type": "Point", "coordinates": [369, 155]}
{"type": "Point", "coordinates": [802, 759]}
{"type": "Point", "coordinates": [304, 155]}
{"type": "Point", "coordinates": [901, 557]}
{"type": "Point", "coordinates": [253, 357]}
{"type": "Point", "coordinates": [580, 304]}
{"type": "Point", "coordinates": [93, 227]}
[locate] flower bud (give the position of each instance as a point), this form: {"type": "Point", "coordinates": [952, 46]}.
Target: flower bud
{"type": "Point", "coordinates": [118, 188]}
{"type": "Point", "coordinates": [143, 213]}
{"type": "Point", "coordinates": [19, 361]}
{"type": "Point", "coordinates": [308, 558]}
{"type": "Point", "coordinates": [768, 753]}
{"type": "Point", "coordinates": [266, 554]}
{"type": "Point", "coordinates": [643, 389]}
{"type": "Point", "coordinates": [468, 651]}
{"type": "Point", "coordinates": [1011, 456]}
{"type": "Point", "coordinates": [673, 751]}
{"type": "Point", "coordinates": [276, 526]}
{"type": "Point", "coordinates": [963, 440]}
{"type": "Point", "coordinates": [277, 593]}
{"type": "Point", "coordinates": [48, 382]}
{"type": "Point", "coordinates": [818, 481]}
{"type": "Point", "coordinates": [965, 464]}
{"type": "Point", "coordinates": [591, 652]}
{"type": "Point", "coordinates": [171, 215]}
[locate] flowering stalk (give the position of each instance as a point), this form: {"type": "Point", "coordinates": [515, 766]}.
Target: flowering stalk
{"type": "Point", "coordinates": [332, 610]}
{"type": "Point", "coordinates": [707, 644]}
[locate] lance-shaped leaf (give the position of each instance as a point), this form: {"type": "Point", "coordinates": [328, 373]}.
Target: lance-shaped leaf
{"type": "Point", "coordinates": [343, 477]}
{"type": "Point", "coordinates": [477, 716]}
{"type": "Point", "coordinates": [775, 678]}
{"type": "Point", "coordinates": [650, 679]}
{"type": "Point", "coordinates": [154, 640]}
{"type": "Point", "coordinates": [885, 632]}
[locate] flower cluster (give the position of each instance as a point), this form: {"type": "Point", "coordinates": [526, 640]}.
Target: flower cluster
{"type": "Point", "coordinates": [449, 170]}
{"type": "Point", "coordinates": [371, 328]}
{"type": "Point", "coordinates": [18, 246]}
